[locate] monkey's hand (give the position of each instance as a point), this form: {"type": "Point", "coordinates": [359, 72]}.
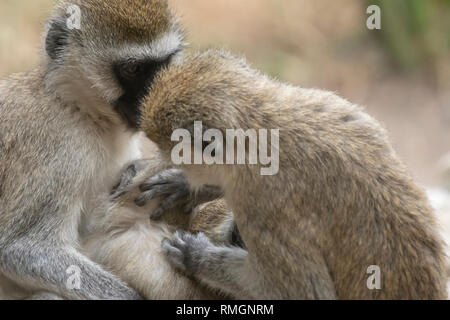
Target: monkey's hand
{"type": "Point", "coordinates": [187, 251]}
{"type": "Point", "coordinates": [169, 185]}
{"type": "Point", "coordinates": [174, 190]}
{"type": "Point", "coordinates": [220, 267]}
{"type": "Point", "coordinates": [127, 178]}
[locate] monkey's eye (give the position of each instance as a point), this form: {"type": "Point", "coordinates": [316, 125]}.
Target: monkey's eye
{"type": "Point", "coordinates": [130, 70]}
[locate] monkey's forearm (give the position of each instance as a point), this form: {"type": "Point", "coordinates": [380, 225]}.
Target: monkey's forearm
{"type": "Point", "coordinates": [231, 270]}
{"type": "Point", "coordinates": [223, 269]}
{"type": "Point", "coordinates": [46, 268]}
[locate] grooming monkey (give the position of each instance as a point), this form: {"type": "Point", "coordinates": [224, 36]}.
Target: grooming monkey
{"type": "Point", "coordinates": [342, 200]}
{"type": "Point", "coordinates": [66, 130]}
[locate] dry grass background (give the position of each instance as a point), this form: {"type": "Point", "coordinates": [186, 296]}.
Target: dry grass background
{"type": "Point", "coordinates": [321, 43]}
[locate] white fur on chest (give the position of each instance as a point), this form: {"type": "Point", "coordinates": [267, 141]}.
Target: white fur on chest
{"type": "Point", "coordinates": [121, 148]}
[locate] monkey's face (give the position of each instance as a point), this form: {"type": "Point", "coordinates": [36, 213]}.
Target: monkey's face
{"type": "Point", "coordinates": [211, 87]}
{"type": "Point", "coordinates": [135, 78]}
{"type": "Point", "coordinates": [191, 99]}
{"type": "Point", "coordinates": [186, 92]}
{"type": "Point", "coordinates": [115, 53]}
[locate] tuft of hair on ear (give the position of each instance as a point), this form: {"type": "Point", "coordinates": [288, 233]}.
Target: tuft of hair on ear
{"type": "Point", "coordinates": [57, 38]}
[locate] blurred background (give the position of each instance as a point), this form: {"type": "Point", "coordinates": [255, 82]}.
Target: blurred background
{"type": "Point", "coordinates": [400, 73]}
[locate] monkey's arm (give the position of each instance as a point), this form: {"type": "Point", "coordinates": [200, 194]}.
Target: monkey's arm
{"type": "Point", "coordinates": [44, 265]}
{"type": "Point", "coordinates": [39, 237]}
{"type": "Point", "coordinates": [234, 272]}
{"type": "Point", "coordinates": [220, 267]}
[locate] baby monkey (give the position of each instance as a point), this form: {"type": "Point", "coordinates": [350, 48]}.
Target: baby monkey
{"type": "Point", "coordinates": [341, 204]}
{"type": "Point", "coordinates": [122, 238]}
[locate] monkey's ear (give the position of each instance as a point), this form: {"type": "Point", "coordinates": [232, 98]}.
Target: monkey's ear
{"type": "Point", "coordinates": [57, 38]}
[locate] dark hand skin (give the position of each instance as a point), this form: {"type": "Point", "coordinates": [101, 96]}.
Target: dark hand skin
{"type": "Point", "coordinates": [193, 253]}
{"type": "Point", "coordinates": [171, 186]}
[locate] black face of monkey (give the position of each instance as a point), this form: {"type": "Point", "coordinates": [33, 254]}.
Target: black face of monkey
{"type": "Point", "coordinates": [135, 77]}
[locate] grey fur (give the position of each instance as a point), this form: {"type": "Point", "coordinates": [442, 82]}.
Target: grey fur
{"type": "Point", "coordinates": [216, 265]}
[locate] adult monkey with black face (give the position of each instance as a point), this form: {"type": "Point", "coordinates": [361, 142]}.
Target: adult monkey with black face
{"type": "Point", "coordinates": [60, 126]}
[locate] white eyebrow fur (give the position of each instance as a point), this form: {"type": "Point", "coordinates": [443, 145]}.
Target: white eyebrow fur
{"type": "Point", "coordinates": [160, 48]}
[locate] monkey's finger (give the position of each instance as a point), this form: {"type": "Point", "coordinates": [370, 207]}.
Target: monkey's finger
{"type": "Point", "coordinates": [161, 190]}
{"type": "Point", "coordinates": [125, 179]}
{"type": "Point", "coordinates": [174, 254]}
{"type": "Point", "coordinates": [155, 180]}
{"type": "Point", "coordinates": [149, 185]}
{"type": "Point", "coordinates": [145, 197]}
{"type": "Point", "coordinates": [178, 239]}
{"type": "Point", "coordinates": [165, 189]}
{"type": "Point", "coordinates": [201, 236]}
{"type": "Point", "coordinates": [169, 247]}
{"type": "Point", "coordinates": [165, 205]}
{"type": "Point", "coordinates": [128, 175]}
{"type": "Point", "coordinates": [151, 194]}
{"type": "Point", "coordinates": [168, 177]}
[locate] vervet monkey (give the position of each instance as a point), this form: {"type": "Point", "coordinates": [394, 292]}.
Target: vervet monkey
{"type": "Point", "coordinates": [66, 130]}
{"type": "Point", "coordinates": [342, 203]}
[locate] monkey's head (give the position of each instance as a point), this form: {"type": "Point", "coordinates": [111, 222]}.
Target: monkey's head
{"type": "Point", "coordinates": [107, 53]}
{"type": "Point", "coordinates": [213, 88]}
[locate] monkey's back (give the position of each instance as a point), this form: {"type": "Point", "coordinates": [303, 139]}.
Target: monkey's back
{"type": "Point", "coordinates": [369, 209]}
{"type": "Point", "coordinates": [341, 202]}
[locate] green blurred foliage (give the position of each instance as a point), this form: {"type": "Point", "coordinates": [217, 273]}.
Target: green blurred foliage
{"type": "Point", "coordinates": [416, 33]}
